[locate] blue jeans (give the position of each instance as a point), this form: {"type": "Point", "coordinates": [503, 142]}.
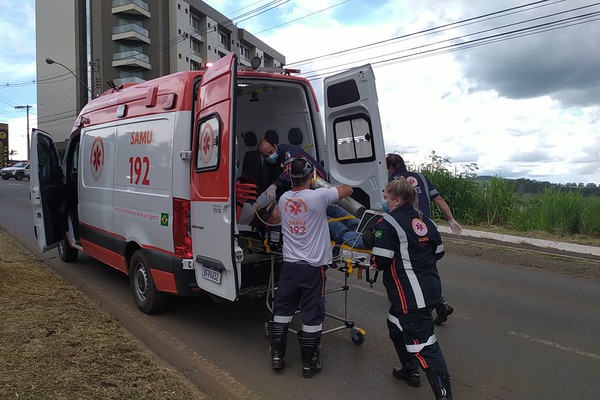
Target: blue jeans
{"type": "Point", "coordinates": [351, 237]}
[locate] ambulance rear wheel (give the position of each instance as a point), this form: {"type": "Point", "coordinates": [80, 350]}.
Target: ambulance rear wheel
{"type": "Point", "coordinates": [66, 252]}
{"type": "Point", "coordinates": [148, 299]}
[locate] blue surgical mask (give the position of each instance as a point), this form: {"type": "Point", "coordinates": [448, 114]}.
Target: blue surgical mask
{"type": "Point", "coordinates": [384, 206]}
{"type": "Point", "coordinates": [272, 159]}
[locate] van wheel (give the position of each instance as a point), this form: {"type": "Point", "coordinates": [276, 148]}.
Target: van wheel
{"type": "Point", "coordinates": [147, 298]}
{"type": "Point", "coordinates": [19, 177]}
{"type": "Point", "coordinates": [66, 252]}
{"type": "Point", "coordinates": [5, 177]}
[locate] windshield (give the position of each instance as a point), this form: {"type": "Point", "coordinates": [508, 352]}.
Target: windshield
{"type": "Point", "coordinates": [20, 164]}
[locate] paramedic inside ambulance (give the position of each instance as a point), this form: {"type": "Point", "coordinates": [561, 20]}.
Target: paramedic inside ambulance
{"type": "Point", "coordinates": [342, 225]}
{"type": "Point", "coordinates": [275, 155]}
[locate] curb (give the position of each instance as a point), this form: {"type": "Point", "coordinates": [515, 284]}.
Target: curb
{"type": "Point", "coordinates": [548, 244]}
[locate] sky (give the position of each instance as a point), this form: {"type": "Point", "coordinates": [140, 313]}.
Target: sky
{"type": "Point", "coordinates": [491, 91]}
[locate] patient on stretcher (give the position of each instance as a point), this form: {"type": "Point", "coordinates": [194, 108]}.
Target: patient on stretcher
{"type": "Point", "coordinates": [342, 225]}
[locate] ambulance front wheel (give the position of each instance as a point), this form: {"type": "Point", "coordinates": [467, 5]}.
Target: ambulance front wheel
{"type": "Point", "coordinates": [147, 298]}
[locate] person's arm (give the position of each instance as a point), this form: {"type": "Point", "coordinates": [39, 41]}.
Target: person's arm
{"type": "Point", "coordinates": [456, 228]}
{"type": "Point", "coordinates": [344, 191]}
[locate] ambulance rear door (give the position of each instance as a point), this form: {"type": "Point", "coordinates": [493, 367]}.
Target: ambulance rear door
{"type": "Point", "coordinates": [212, 227]}
{"type": "Point", "coordinates": [354, 137]}
{"type": "Point", "coordinates": [48, 191]}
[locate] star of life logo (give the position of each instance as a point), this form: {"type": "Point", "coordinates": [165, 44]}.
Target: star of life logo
{"type": "Point", "coordinates": [296, 208]}
{"type": "Point", "coordinates": [413, 181]}
{"type": "Point", "coordinates": [419, 227]}
{"type": "Point", "coordinates": [207, 139]}
{"type": "Point", "coordinates": [97, 158]}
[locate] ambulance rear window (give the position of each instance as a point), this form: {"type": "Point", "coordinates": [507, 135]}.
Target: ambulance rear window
{"type": "Point", "coordinates": [342, 93]}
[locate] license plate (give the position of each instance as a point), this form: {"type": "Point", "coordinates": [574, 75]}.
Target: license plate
{"type": "Point", "coordinates": [211, 274]}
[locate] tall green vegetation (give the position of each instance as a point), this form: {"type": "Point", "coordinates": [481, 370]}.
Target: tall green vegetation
{"type": "Point", "coordinates": [559, 211]}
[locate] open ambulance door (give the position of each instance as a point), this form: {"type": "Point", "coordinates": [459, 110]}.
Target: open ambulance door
{"type": "Point", "coordinates": [212, 208]}
{"type": "Point", "coordinates": [48, 191]}
{"type": "Point", "coordinates": [354, 137]}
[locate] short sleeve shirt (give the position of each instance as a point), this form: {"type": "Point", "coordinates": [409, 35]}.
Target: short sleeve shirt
{"type": "Point", "coordinates": [304, 225]}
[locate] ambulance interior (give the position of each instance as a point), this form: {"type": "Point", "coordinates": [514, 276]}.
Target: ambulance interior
{"type": "Point", "coordinates": [282, 112]}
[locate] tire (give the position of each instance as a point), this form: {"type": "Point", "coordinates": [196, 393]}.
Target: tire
{"type": "Point", "coordinates": [5, 177]}
{"type": "Point", "coordinates": [19, 176]}
{"type": "Point", "coordinates": [66, 252]}
{"type": "Point", "coordinates": [358, 336]}
{"type": "Point", "coordinates": [147, 298]}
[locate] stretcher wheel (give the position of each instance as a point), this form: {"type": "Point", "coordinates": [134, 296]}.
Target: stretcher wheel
{"type": "Point", "coordinates": [358, 336]}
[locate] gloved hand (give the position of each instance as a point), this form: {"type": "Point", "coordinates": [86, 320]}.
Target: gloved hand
{"type": "Point", "coordinates": [456, 228]}
{"type": "Point", "coordinates": [271, 193]}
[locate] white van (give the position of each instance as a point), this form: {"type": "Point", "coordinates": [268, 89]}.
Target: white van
{"type": "Point", "coordinates": [147, 183]}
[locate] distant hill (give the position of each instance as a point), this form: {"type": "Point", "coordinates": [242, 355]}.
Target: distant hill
{"type": "Point", "coordinates": [531, 186]}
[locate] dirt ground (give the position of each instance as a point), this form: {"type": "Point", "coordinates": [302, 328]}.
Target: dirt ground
{"type": "Point", "coordinates": [54, 344]}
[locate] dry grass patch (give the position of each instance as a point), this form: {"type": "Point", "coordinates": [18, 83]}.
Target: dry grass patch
{"type": "Point", "coordinates": [55, 345]}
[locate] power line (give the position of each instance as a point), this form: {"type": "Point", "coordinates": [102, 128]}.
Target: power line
{"type": "Point", "coordinates": [311, 75]}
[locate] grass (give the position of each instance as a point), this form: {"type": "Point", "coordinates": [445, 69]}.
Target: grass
{"type": "Point", "coordinates": [55, 345]}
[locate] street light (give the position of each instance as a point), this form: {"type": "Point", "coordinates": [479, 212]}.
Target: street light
{"type": "Point", "coordinates": [51, 61]}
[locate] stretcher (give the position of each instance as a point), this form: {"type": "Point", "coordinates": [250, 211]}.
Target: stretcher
{"type": "Point", "coordinates": [349, 260]}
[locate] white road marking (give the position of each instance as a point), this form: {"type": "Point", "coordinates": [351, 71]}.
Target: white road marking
{"type": "Point", "coordinates": [552, 344]}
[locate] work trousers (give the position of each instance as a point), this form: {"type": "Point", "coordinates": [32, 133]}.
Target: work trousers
{"type": "Point", "coordinates": [416, 330]}
{"type": "Point", "coordinates": [301, 286]}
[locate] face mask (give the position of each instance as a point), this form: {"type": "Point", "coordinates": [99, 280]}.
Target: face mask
{"type": "Point", "coordinates": [384, 206]}
{"type": "Point", "coordinates": [272, 159]}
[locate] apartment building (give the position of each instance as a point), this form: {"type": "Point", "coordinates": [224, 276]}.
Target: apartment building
{"type": "Point", "coordinates": [91, 42]}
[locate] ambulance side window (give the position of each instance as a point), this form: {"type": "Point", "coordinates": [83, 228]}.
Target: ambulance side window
{"type": "Point", "coordinates": [353, 138]}
{"type": "Point", "coordinates": [208, 139]}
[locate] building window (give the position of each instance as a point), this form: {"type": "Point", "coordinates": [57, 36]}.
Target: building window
{"type": "Point", "coordinates": [179, 6]}
{"type": "Point", "coordinates": [195, 22]}
{"type": "Point", "coordinates": [179, 30]}
{"type": "Point", "coordinates": [180, 56]}
{"type": "Point", "coordinates": [186, 11]}
{"type": "Point", "coordinates": [187, 59]}
{"type": "Point", "coordinates": [195, 66]}
{"type": "Point", "coordinates": [223, 39]}
{"type": "Point", "coordinates": [244, 52]}
{"type": "Point", "coordinates": [195, 44]}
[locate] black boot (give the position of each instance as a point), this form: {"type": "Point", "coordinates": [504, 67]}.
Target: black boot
{"type": "Point", "coordinates": [408, 374]}
{"type": "Point", "coordinates": [278, 341]}
{"type": "Point", "coordinates": [440, 383]}
{"type": "Point", "coordinates": [310, 353]}
{"type": "Point", "coordinates": [442, 310]}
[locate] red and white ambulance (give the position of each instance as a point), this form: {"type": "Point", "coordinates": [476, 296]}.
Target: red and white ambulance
{"type": "Point", "coordinates": [147, 183]}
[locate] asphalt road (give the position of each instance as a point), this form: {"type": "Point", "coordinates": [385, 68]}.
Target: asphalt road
{"type": "Point", "coordinates": [517, 332]}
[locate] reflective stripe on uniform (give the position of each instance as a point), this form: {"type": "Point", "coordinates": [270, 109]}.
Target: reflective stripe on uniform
{"type": "Point", "coordinates": [416, 348]}
{"type": "Point", "coordinates": [378, 251]}
{"type": "Point", "coordinates": [312, 328]}
{"type": "Point", "coordinates": [439, 249]}
{"type": "Point", "coordinates": [282, 319]}
{"type": "Point", "coordinates": [394, 320]}
{"type": "Point", "coordinates": [406, 263]}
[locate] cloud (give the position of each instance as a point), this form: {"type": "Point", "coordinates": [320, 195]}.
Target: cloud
{"type": "Point", "coordinates": [560, 63]}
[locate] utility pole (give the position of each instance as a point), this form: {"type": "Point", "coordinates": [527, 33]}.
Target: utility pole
{"type": "Point", "coordinates": [26, 108]}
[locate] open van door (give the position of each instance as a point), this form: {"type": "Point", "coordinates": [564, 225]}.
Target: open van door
{"type": "Point", "coordinates": [48, 191]}
{"type": "Point", "coordinates": [212, 182]}
{"type": "Point", "coordinates": [354, 137]}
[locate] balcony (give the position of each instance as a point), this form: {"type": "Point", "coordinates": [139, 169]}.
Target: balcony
{"type": "Point", "coordinates": [131, 32]}
{"type": "Point", "coordinates": [131, 79]}
{"type": "Point", "coordinates": [132, 58]}
{"type": "Point", "coordinates": [136, 7]}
